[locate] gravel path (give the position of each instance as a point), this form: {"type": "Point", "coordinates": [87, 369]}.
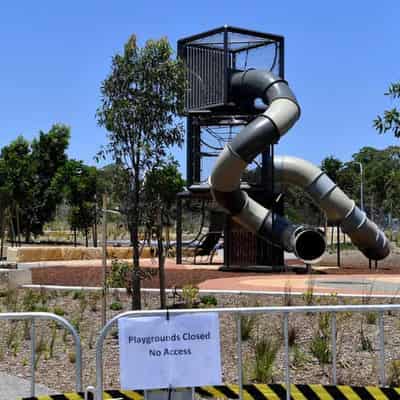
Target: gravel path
{"type": "Point", "coordinates": [13, 387]}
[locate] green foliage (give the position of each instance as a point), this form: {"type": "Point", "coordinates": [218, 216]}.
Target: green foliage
{"type": "Point", "coordinates": [320, 343]}
{"type": "Point", "coordinates": [190, 296]}
{"type": "Point", "coordinates": [366, 344]}
{"type": "Point", "coordinates": [27, 172]}
{"type": "Point", "coordinates": [59, 311]}
{"type": "Point", "coordinates": [247, 324]}
{"type": "Point", "coordinates": [308, 295]}
{"type": "Point", "coordinates": [141, 99]}
{"type": "Point", "coordinates": [393, 378]}
{"type": "Point", "coordinates": [320, 349]}
{"type": "Point", "coordinates": [266, 350]}
{"type": "Point", "coordinates": [116, 306]}
{"type": "Point", "coordinates": [209, 300]}
{"type": "Point", "coordinates": [79, 184]}
{"type": "Point", "coordinates": [78, 294]}
{"type": "Point", "coordinates": [371, 318]}
{"type": "Point", "coordinates": [299, 358]}
{"type": "Point", "coordinates": [332, 166]}
{"type": "Point", "coordinates": [390, 120]}
{"type": "Point", "coordinates": [94, 298]}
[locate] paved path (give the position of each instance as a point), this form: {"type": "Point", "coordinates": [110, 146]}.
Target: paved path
{"type": "Point", "coordinates": [12, 387]}
{"type": "Point", "coordinates": [371, 284]}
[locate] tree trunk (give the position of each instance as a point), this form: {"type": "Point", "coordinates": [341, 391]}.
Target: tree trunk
{"type": "Point", "coordinates": [94, 233]}
{"type": "Point", "coordinates": [74, 237]}
{"type": "Point", "coordinates": [161, 261]}
{"type": "Point", "coordinates": [18, 226]}
{"type": "Point", "coordinates": [136, 295]}
{"type": "Point", "coordinates": [86, 237]}
{"type": "Point", "coordinates": [2, 226]}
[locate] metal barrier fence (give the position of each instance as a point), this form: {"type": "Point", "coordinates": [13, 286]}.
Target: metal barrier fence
{"type": "Point", "coordinates": [238, 312]}
{"type": "Point", "coordinates": [32, 316]}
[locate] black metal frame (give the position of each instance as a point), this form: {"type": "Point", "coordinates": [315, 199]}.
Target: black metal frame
{"type": "Point", "coordinates": [225, 106]}
{"type": "Point", "coordinates": [219, 114]}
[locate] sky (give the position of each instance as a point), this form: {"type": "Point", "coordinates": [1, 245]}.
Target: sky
{"type": "Point", "coordinates": [340, 58]}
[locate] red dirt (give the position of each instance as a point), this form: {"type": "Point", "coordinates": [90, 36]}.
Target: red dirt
{"type": "Point", "coordinates": [91, 276]}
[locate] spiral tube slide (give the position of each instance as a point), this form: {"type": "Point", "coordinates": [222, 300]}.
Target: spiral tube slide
{"type": "Point", "coordinates": [282, 112]}
{"type": "Point", "coordinates": [339, 209]}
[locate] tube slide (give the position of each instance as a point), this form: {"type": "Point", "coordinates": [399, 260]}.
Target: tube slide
{"type": "Point", "coordinates": [339, 209]}
{"type": "Point", "coordinates": [282, 112]}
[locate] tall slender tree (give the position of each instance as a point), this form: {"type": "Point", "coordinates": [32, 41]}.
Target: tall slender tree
{"type": "Point", "coordinates": [389, 121]}
{"type": "Point", "coordinates": [141, 99]}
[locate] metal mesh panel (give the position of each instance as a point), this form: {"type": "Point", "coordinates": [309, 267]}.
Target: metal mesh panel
{"type": "Point", "coordinates": [266, 57]}
{"type": "Point", "coordinates": [212, 141]}
{"type": "Point", "coordinates": [205, 76]}
{"type": "Point", "coordinates": [211, 56]}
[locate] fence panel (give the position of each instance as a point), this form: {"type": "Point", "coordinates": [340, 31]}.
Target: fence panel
{"type": "Point", "coordinates": [238, 312]}
{"type": "Point", "coordinates": [33, 316]}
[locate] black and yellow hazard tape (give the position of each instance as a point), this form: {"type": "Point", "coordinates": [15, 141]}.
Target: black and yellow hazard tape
{"type": "Point", "coordinates": [258, 392]}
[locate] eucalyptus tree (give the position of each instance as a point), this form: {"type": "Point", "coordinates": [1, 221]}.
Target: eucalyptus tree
{"type": "Point", "coordinates": [162, 183]}
{"type": "Point", "coordinates": [390, 119]}
{"type": "Point", "coordinates": [141, 99]}
{"type": "Point", "coordinates": [78, 183]}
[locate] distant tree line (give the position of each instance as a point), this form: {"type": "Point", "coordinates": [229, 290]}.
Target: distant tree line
{"type": "Point", "coordinates": [381, 185]}
{"type": "Point", "coordinates": [37, 177]}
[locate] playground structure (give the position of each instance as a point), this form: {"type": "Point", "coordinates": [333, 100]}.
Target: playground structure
{"type": "Point", "coordinates": [229, 86]}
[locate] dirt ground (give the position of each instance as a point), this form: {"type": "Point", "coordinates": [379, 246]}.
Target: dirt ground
{"type": "Point", "coordinates": [357, 341]}
{"type": "Point", "coordinates": [352, 262]}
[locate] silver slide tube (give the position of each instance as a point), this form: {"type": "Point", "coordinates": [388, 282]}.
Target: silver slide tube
{"type": "Point", "coordinates": [281, 114]}
{"type": "Point", "coordinates": [339, 209]}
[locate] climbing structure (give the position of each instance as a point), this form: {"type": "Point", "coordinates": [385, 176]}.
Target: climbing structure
{"type": "Point", "coordinates": [238, 106]}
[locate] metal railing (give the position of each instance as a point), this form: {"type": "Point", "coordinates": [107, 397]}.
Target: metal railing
{"type": "Point", "coordinates": [32, 316]}
{"type": "Point", "coordinates": [238, 312]}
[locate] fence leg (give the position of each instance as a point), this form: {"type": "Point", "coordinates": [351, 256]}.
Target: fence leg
{"type": "Point", "coordinates": [33, 357]}
{"type": "Point", "coordinates": [333, 340]}
{"type": "Point", "coordinates": [286, 339]}
{"type": "Point", "coordinates": [382, 377]}
{"type": "Point", "coordinates": [239, 355]}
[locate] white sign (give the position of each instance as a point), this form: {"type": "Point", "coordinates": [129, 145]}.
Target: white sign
{"type": "Point", "coordinates": [183, 351]}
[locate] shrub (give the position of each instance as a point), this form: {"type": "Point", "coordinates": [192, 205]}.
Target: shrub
{"type": "Point", "coordinates": [190, 295]}
{"type": "Point", "coordinates": [371, 318]}
{"type": "Point", "coordinates": [265, 354]}
{"type": "Point", "coordinates": [247, 324]}
{"type": "Point", "coordinates": [308, 295]}
{"type": "Point", "coordinates": [209, 300]}
{"type": "Point", "coordinates": [78, 294]}
{"type": "Point", "coordinates": [394, 373]}
{"type": "Point", "coordinates": [299, 357]}
{"type": "Point", "coordinates": [94, 298]}
{"type": "Point", "coordinates": [59, 311]}
{"type": "Point", "coordinates": [366, 344]}
{"type": "Point", "coordinates": [320, 349]}
{"type": "Point", "coordinates": [320, 343]}
{"type": "Point", "coordinates": [116, 306]}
